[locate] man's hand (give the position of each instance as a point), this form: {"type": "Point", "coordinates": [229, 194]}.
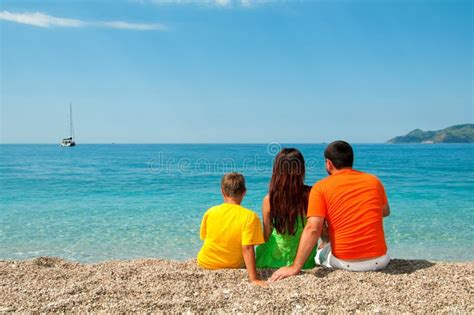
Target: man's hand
{"type": "Point", "coordinates": [283, 273]}
{"type": "Point", "coordinates": [260, 283]}
{"type": "Point", "coordinates": [309, 239]}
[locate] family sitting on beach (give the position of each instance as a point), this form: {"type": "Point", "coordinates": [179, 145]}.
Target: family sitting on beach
{"type": "Point", "coordinates": [345, 210]}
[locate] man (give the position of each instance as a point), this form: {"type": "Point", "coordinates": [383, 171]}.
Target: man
{"type": "Point", "coordinates": [353, 204]}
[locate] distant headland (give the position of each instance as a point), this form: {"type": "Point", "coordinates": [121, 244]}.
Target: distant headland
{"type": "Point", "coordinates": [454, 134]}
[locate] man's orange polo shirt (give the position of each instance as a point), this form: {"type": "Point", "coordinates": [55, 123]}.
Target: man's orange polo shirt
{"type": "Point", "coordinates": [352, 202]}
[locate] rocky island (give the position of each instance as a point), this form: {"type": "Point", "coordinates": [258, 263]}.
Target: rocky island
{"type": "Point", "coordinates": [454, 134]}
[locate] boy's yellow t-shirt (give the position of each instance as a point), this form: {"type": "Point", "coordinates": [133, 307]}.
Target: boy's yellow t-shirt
{"type": "Point", "coordinates": [224, 230]}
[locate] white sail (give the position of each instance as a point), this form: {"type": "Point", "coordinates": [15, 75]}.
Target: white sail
{"type": "Point", "coordinates": [69, 142]}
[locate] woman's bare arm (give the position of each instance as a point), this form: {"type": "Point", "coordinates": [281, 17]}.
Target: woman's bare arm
{"type": "Point", "coordinates": [325, 232]}
{"type": "Point", "coordinates": [267, 221]}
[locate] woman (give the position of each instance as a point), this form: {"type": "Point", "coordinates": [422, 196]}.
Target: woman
{"type": "Point", "coordinates": [284, 212]}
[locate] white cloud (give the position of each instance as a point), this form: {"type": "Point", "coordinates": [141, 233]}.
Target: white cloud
{"type": "Point", "coordinates": [250, 3]}
{"type": "Point", "coordinates": [212, 3]}
{"type": "Point", "coordinates": [133, 26]}
{"type": "Point", "coordinates": [246, 3]}
{"type": "Point", "coordinates": [220, 3]}
{"type": "Point", "coordinates": [43, 20]}
{"type": "Point", "coordinates": [223, 3]}
{"type": "Point", "coordinates": [39, 19]}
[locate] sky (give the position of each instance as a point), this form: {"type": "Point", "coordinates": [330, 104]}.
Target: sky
{"type": "Point", "coordinates": [233, 71]}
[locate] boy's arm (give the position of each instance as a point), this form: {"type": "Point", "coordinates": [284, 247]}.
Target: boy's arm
{"type": "Point", "coordinates": [249, 259]}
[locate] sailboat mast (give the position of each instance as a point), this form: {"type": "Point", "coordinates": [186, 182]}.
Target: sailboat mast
{"type": "Point", "coordinates": [71, 127]}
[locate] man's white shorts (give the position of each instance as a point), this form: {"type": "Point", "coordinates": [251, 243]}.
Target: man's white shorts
{"type": "Point", "coordinates": [324, 257]}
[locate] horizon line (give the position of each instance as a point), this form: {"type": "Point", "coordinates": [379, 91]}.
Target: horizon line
{"type": "Point", "coordinates": [210, 143]}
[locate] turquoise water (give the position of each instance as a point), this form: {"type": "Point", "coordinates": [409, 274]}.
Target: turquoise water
{"type": "Point", "coordinates": [98, 202]}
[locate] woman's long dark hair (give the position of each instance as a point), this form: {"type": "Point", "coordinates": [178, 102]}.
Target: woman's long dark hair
{"type": "Point", "coordinates": [288, 194]}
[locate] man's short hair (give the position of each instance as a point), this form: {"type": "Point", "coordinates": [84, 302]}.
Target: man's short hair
{"type": "Point", "coordinates": [340, 153]}
{"type": "Point", "coordinates": [233, 185]}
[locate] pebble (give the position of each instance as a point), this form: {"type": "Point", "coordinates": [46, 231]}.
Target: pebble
{"type": "Point", "coordinates": [53, 285]}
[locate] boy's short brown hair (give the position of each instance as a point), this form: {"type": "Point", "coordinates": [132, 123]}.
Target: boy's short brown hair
{"type": "Point", "coordinates": [233, 185]}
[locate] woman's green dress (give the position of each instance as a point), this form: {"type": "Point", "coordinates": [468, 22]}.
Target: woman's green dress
{"type": "Point", "coordinates": [280, 250]}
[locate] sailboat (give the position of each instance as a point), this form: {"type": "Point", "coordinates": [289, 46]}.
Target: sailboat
{"type": "Point", "coordinates": [69, 141]}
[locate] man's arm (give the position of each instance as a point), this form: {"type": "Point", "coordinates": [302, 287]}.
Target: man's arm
{"type": "Point", "coordinates": [249, 259]}
{"type": "Point", "coordinates": [309, 239]}
{"type": "Point", "coordinates": [384, 200]}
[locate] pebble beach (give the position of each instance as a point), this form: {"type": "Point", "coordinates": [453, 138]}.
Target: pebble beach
{"type": "Point", "coordinates": [48, 284]}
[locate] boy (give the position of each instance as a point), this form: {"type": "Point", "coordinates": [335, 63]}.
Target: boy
{"type": "Point", "coordinates": [230, 231]}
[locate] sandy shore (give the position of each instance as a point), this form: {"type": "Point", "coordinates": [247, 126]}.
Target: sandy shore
{"type": "Point", "coordinates": [151, 285]}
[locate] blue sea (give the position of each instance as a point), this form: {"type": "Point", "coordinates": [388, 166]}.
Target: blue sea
{"type": "Point", "coordinates": [118, 201]}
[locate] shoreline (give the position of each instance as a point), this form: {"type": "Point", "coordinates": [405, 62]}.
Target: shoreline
{"type": "Point", "coordinates": [48, 284]}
